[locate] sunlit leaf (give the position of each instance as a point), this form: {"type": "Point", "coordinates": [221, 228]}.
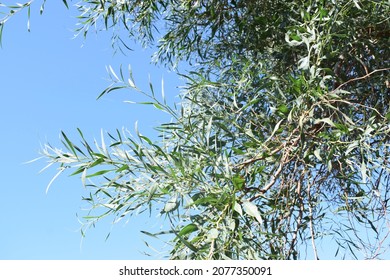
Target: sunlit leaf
{"type": "Point", "coordinates": [252, 210]}
{"type": "Point", "coordinates": [98, 173]}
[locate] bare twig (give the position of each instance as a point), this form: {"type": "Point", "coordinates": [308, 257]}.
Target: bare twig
{"type": "Point", "coordinates": [360, 78]}
{"type": "Point", "coordinates": [311, 224]}
{"type": "Point", "coordinates": [299, 220]}
{"type": "Point", "coordinates": [253, 160]}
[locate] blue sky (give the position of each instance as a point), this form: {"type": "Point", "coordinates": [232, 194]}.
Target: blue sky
{"type": "Point", "coordinates": [49, 82]}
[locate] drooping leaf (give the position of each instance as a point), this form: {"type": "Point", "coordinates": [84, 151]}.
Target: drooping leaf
{"type": "Point", "coordinates": [190, 228]}
{"type": "Point", "coordinates": [251, 209]}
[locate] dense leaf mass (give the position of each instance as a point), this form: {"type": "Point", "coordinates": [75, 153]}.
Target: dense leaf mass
{"type": "Point", "coordinates": [282, 134]}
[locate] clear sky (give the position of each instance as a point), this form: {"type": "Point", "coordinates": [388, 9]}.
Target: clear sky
{"type": "Point", "coordinates": [49, 82]}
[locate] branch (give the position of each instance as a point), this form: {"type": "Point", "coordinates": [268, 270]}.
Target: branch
{"type": "Point", "coordinates": [253, 160]}
{"type": "Point", "coordinates": [360, 78]}
{"type": "Point", "coordinates": [299, 219]}
{"type": "Point", "coordinates": [311, 224]}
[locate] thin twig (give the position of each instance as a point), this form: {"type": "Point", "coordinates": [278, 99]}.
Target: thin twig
{"type": "Point", "coordinates": [360, 78]}
{"type": "Point", "coordinates": [253, 160]}
{"type": "Point", "coordinates": [299, 220]}
{"type": "Point", "coordinates": [311, 224]}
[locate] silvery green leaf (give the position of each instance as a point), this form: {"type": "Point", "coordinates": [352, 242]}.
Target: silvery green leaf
{"type": "Point", "coordinates": [252, 210]}
{"type": "Point", "coordinates": [324, 80]}
{"type": "Point", "coordinates": [357, 4]}
{"type": "Point", "coordinates": [352, 146]}
{"type": "Point", "coordinates": [303, 63]}
{"type": "Point", "coordinates": [363, 170]}
{"type": "Point", "coordinates": [292, 43]}
{"type": "Point", "coordinates": [213, 234]}
{"type": "Point", "coordinates": [317, 154]}
{"type": "Point", "coordinates": [325, 120]}
{"type": "Point", "coordinates": [171, 204]}
{"type": "Point", "coordinates": [237, 208]}
{"type": "Point", "coordinates": [113, 74]}
{"type": "Point", "coordinates": [131, 83]}
{"type": "Point", "coordinates": [231, 223]}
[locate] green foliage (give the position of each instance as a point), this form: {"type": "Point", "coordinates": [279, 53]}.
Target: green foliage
{"type": "Point", "coordinates": [281, 137]}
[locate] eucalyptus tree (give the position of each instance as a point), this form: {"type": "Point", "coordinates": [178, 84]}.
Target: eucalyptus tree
{"type": "Point", "coordinates": [281, 136]}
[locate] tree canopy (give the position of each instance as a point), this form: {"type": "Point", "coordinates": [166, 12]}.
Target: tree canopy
{"type": "Point", "coordinates": [281, 136]}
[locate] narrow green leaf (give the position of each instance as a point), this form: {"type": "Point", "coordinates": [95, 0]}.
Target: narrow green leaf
{"type": "Point", "coordinates": [70, 144]}
{"type": "Point", "coordinates": [204, 201]}
{"type": "Point", "coordinates": [78, 171]}
{"type": "Point", "coordinates": [188, 229]}
{"type": "Point", "coordinates": [123, 168]}
{"type": "Point", "coordinates": [238, 151]}
{"type": "Point", "coordinates": [66, 3]}
{"type": "Point", "coordinates": [317, 154]}
{"type": "Point", "coordinates": [96, 162]}
{"type": "Point", "coordinates": [84, 176]}
{"type": "Point", "coordinates": [146, 139]}
{"type": "Point", "coordinates": [237, 208]}
{"type": "Point", "coordinates": [252, 102]}
{"type": "Point", "coordinates": [85, 143]}
{"type": "Point", "coordinates": [325, 120]}
{"type": "Point", "coordinates": [101, 172]}
{"type": "Point", "coordinates": [100, 155]}
{"type": "Point", "coordinates": [107, 90]}
{"type": "Point", "coordinates": [158, 106]}
{"type": "Point", "coordinates": [113, 73]}
{"type": "Point", "coordinates": [186, 243]}
{"type": "Point", "coordinates": [28, 18]}
{"type": "Point", "coordinates": [373, 227]}
{"type": "Point", "coordinates": [238, 182]}
{"type": "Point", "coordinates": [363, 170]}
{"type": "Point", "coordinates": [42, 7]}
{"type": "Point", "coordinates": [283, 108]}
{"type": "Point", "coordinates": [1, 34]}
{"type": "Point", "coordinates": [274, 131]}
{"type": "Point", "coordinates": [151, 193]}
{"type": "Point", "coordinates": [52, 180]}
